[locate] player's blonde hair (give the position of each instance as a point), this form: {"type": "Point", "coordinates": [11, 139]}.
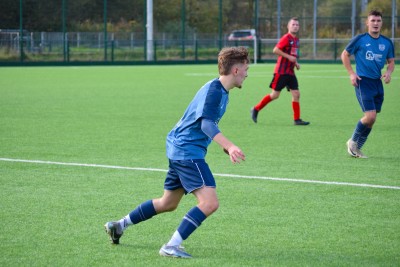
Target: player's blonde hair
{"type": "Point", "coordinates": [229, 56]}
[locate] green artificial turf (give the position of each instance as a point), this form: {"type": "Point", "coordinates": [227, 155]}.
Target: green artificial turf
{"type": "Point", "coordinates": [66, 134]}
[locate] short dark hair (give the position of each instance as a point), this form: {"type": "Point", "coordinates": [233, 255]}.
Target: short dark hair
{"type": "Point", "coordinates": [375, 12]}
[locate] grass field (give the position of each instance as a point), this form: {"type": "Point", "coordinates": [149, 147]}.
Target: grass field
{"type": "Point", "coordinates": [80, 146]}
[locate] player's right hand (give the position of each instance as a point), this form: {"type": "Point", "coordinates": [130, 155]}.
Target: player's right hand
{"type": "Point", "coordinates": [354, 78]}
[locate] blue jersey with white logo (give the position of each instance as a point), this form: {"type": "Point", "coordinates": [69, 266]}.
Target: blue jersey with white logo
{"type": "Point", "coordinates": [370, 54]}
{"type": "Point", "coordinates": [186, 140]}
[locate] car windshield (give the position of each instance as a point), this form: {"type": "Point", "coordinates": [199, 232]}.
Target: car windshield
{"type": "Point", "coordinates": [241, 34]}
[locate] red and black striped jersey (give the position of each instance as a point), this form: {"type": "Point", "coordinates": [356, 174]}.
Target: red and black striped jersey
{"type": "Point", "coordinates": [289, 44]}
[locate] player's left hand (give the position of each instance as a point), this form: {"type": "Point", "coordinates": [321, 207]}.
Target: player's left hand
{"type": "Point", "coordinates": [235, 153]}
{"type": "Point", "coordinates": [386, 77]}
{"type": "Point", "coordinates": [297, 65]}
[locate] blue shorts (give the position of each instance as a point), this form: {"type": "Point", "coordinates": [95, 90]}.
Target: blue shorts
{"type": "Point", "coordinates": [189, 175]}
{"type": "Point", "coordinates": [370, 94]}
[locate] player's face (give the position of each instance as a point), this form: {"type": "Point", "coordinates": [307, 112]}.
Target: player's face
{"type": "Point", "coordinates": [293, 26]}
{"type": "Point", "coordinates": [374, 24]}
{"type": "Point", "coordinates": [240, 74]}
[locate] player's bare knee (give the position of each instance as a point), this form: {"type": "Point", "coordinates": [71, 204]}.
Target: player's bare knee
{"type": "Point", "coordinates": [213, 206]}
{"type": "Point", "coordinates": [295, 95]}
{"type": "Point", "coordinates": [274, 95]}
{"type": "Point", "coordinates": [210, 207]}
{"type": "Point", "coordinates": [369, 119]}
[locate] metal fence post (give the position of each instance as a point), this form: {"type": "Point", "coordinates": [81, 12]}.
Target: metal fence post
{"type": "Point", "coordinates": [196, 51]}
{"type": "Point", "coordinates": [183, 18]}
{"type": "Point", "coordinates": [21, 33]}
{"type": "Point", "coordinates": [105, 30]}
{"type": "Point", "coordinates": [64, 31]}
{"type": "Point", "coordinates": [112, 50]}
{"type": "Point", "coordinates": [335, 50]}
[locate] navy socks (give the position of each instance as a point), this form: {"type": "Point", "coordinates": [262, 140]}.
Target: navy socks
{"type": "Point", "coordinates": [360, 134]}
{"type": "Point", "coordinates": [142, 212]}
{"type": "Point", "coordinates": [190, 222]}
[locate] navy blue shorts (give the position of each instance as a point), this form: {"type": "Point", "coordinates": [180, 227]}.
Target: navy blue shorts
{"type": "Point", "coordinates": [280, 81]}
{"type": "Point", "coordinates": [189, 175]}
{"type": "Point", "coordinates": [370, 94]}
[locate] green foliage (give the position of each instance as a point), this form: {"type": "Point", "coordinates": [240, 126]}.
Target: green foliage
{"type": "Point", "coordinates": [53, 215]}
{"type": "Point", "coordinates": [384, 6]}
{"type": "Point", "coordinates": [334, 16]}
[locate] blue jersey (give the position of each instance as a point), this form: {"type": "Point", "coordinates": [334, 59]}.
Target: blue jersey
{"type": "Point", "coordinates": [186, 140]}
{"type": "Point", "coordinates": [370, 54]}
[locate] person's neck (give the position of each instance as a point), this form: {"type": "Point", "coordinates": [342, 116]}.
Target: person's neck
{"type": "Point", "coordinates": [225, 82]}
{"type": "Point", "coordinates": [374, 35]}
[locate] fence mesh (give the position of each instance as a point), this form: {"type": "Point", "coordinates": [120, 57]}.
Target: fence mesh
{"type": "Point", "coordinates": [115, 31]}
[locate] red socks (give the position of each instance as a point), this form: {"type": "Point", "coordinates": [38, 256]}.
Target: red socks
{"type": "Point", "coordinates": [267, 99]}
{"type": "Point", "coordinates": [263, 103]}
{"type": "Point", "coordinates": [296, 110]}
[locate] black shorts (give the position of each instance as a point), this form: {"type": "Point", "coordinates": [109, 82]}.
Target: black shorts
{"type": "Point", "coordinates": [280, 81]}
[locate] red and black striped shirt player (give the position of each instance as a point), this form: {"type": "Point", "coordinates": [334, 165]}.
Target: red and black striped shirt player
{"type": "Point", "coordinates": [284, 76]}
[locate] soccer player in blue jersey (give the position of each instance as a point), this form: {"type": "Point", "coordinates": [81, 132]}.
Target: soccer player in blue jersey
{"type": "Point", "coordinates": [187, 146]}
{"type": "Point", "coordinates": [371, 51]}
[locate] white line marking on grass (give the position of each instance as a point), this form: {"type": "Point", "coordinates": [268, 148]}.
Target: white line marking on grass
{"type": "Point", "coordinates": [216, 174]}
{"type": "Point", "coordinates": [82, 165]}
{"type": "Point", "coordinates": [300, 74]}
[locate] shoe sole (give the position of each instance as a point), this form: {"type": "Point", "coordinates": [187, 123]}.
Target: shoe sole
{"type": "Point", "coordinates": [109, 233]}
{"type": "Point", "coordinates": [302, 123]}
{"type": "Point", "coordinates": [166, 254]}
{"type": "Point", "coordinates": [252, 117]}
{"type": "Point", "coordinates": [162, 253]}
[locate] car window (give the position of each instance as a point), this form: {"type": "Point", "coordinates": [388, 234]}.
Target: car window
{"type": "Point", "coordinates": [241, 34]}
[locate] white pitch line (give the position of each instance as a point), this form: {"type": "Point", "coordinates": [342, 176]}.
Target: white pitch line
{"type": "Point", "coordinates": [216, 174]}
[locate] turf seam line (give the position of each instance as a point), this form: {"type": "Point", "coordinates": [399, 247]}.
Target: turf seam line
{"type": "Point", "coordinates": [215, 174]}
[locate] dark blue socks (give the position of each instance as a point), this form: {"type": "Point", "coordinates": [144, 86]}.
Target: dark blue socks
{"type": "Point", "coordinates": [360, 134]}
{"type": "Point", "coordinates": [190, 222]}
{"type": "Point", "coordinates": [142, 212]}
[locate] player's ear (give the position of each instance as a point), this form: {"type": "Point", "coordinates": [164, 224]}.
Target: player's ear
{"type": "Point", "coordinates": [235, 70]}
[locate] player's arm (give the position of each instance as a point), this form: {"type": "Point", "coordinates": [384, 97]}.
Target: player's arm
{"type": "Point", "coordinates": [234, 152]}
{"type": "Point", "coordinates": [390, 68]}
{"type": "Point", "coordinates": [347, 64]}
{"type": "Point", "coordinates": [210, 128]}
{"type": "Point", "coordinates": [279, 52]}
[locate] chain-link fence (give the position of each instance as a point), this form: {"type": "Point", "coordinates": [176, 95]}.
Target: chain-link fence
{"type": "Point", "coordinates": [115, 31]}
